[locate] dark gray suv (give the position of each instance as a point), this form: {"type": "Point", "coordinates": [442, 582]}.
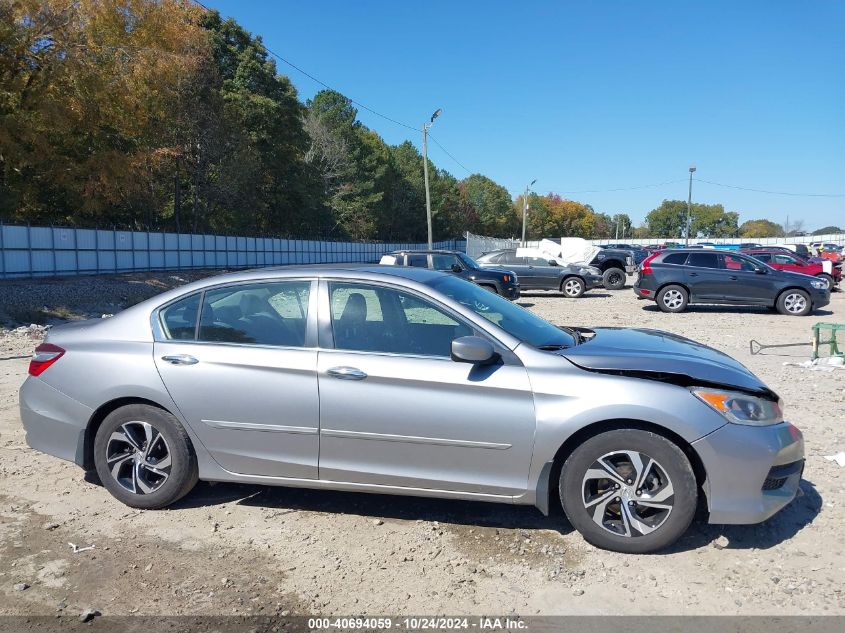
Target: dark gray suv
{"type": "Point", "coordinates": [539, 273]}
{"type": "Point", "coordinates": [676, 278]}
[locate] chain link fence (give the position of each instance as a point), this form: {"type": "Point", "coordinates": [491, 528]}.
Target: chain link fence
{"type": "Point", "coordinates": [478, 244]}
{"type": "Point", "coordinates": [38, 251]}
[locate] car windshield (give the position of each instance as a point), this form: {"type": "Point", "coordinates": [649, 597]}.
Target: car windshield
{"type": "Point", "coordinates": [516, 321]}
{"type": "Point", "coordinates": [468, 261]}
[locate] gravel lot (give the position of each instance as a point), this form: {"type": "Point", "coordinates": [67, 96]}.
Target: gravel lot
{"type": "Point", "coordinates": [229, 549]}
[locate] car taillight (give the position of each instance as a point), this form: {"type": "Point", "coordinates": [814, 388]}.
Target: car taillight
{"type": "Point", "coordinates": [45, 355]}
{"type": "Point", "coordinates": [645, 267]}
{"type": "Point", "coordinates": [506, 277]}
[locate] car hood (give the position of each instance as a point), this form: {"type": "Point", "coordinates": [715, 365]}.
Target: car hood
{"type": "Point", "coordinates": [661, 356]}
{"type": "Point", "coordinates": [491, 269]}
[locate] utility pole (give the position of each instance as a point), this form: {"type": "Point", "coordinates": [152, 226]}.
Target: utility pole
{"type": "Point", "coordinates": [689, 202]}
{"type": "Point", "coordinates": [425, 174]}
{"type": "Point", "coordinates": [525, 209]}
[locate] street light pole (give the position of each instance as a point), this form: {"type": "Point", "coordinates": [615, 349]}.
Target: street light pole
{"type": "Point", "coordinates": [689, 202]}
{"type": "Point", "coordinates": [525, 209]}
{"type": "Point", "coordinates": [425, 174]}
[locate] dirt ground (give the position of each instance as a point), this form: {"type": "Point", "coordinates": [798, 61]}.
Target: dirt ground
{"type": "Point", "coordinates": [238, 549]}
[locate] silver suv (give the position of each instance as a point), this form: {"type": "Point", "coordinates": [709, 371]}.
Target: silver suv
{"type": "Point", "coordinates": [409, 381]}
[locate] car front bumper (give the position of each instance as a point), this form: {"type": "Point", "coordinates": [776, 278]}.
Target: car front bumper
{"type": "Point", "coordinates": [821, 298]}
{"type": "Point", "coordinates": [593, 281]}
{"type": "Point", "coordinates": [54, 423]}
{"type": "Point", "coordinates": [510, 292]}
{"type": "Point", "coordinates": [752, 472]}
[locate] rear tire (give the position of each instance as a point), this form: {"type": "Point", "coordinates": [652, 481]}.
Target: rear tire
{"type": "Point", "coordinates": [794, 302]}
{"type": "Point", "coordinates": [673, 299]}
{"type": "Point", "coordinates": [144, 457]}
{"type": "Point", "coordinates": [573, 287]}
{"type": "Point", "coordinates": [614, 279]}
{"type": "Point", "coordinates": [647, 514]}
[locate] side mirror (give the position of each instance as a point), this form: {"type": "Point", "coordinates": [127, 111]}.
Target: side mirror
{"type": "Point", "coordinates": [760, 270]}
{"type": "Point", "coordinates": [456, 268]}
{"type": "Point", "coordinates": [552, 262]}
{"type": "Point", "coordinates": [473, 349]}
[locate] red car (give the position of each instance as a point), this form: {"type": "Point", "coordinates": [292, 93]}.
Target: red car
{"type": "Point", "coordinates": [783, 260]}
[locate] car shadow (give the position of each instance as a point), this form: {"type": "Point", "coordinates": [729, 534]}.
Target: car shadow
{"type": "Point", "coordinates": [448, 511]}
{"type": "Point", "coordinates": [588, 294]}
{"type": "Point", "coordinates": [770, 533]}
{"type": "Point", "coordinates": [781, 527]}
{"type": "Point", "coordinates": [729, 309]}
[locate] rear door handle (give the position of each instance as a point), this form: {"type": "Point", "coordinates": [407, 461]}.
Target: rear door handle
{"type": "Point", "coordinates": [693, 274]}
{"type": "Point", "coordinates": [732, 277]}
{"type": "Point", "coordinates": [347, 373]}
{"type": "Point", "coordinates": [180, 359]}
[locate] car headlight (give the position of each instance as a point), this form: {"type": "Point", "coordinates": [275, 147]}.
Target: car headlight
{"type": "Point", "coordinates": [819, 284]}
{"type": "Point", "coordinates": [741, 408]}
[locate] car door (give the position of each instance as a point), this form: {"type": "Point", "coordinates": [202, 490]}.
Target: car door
{"type": "Point", "coordinates": [744, 283]}
{"type": "Point", "coordinates": [548, 276]}
{"type": "Point", "coordinates": [704, 278]}
{"type": "Point", "coordinates": [395, 410]}
{"type": "Point", "coordinates": [245, 376]}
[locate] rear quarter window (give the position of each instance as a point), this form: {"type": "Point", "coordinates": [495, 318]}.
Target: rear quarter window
{"type": "Point", "coordinates": [675, 258]}
{"type": "Point", "coordinates": [179, 319]}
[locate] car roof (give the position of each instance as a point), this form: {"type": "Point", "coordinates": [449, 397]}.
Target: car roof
{"type": "Point", "coordinates": [434, 251]}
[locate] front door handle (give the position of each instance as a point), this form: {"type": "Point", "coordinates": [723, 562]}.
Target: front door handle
{"type": "Point", "coordinates": [732, 277]}
{"type": "Point", "coordinates": [347, 373]}
{"type": "Point", "coordinates": [693, 274]}
{"type": "Point", "coordinates": [180, 359]}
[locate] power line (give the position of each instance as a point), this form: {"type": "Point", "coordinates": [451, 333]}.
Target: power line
{"type": "Point", "coordinates": [324, 84]}
{"type": "Point", "coordinates": [468, 170]}
{"type": "Point", "coordinates": [777, 193]}
{"type": "Point", "coordinates": [656, 184]}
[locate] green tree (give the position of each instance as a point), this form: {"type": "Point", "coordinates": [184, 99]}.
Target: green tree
{"type": "Point", "coordinates": [668, 220]}
{"type": "Point", "coordinates": [760, 228]}
{"type": "Point", "coordinates": [487, 206]}
{"type": "Point", "coordinates": [828, 230]}
{"type": "Point", "coordinates": [707, 220]}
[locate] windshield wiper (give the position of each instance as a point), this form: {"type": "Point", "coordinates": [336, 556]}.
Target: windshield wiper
{"type": "Point", "coordinates": [551, 347]}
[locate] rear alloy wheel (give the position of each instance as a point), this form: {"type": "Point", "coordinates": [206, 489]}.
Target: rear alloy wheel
{"type": "Point", "coordinates": [629, 490]}
{"type": "Point", "coordinates": [672, 299]}
{"type": "Point", "coordinates": [794, 303]}
{"type": "Point", "coordinates": [573, 287]}
{"type": "Point", "coordinates": [614, 279]}
{"type": "Point", "coordinates": [144, 457]}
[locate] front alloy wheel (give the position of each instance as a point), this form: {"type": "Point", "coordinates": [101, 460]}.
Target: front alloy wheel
{"type": "Point", "coordinates": [573, 287]}
{"type": "Point", "coordinates": [794, 303]}
{"type": "Point", "coordinates": [629, 490]}
{"type": "Point", "coordinates": [628, 493]}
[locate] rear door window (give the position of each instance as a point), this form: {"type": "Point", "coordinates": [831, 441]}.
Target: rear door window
{"type": "Point", "coordinates": [273, 313]}
{"type": "Point", "coordinates": [703, 260]}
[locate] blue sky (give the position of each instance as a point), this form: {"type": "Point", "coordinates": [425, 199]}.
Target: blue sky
{"type": "Point", "coordinates": [594, 95]}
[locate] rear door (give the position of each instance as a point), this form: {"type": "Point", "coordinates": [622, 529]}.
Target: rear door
{"type": "Point", "coordinates": [704, 277]}
{"type": "Point", "coordinates": [245, 376]}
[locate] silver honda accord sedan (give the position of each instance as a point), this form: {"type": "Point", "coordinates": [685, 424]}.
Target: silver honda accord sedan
{"type": "Point", "coordinates": [409, 381]}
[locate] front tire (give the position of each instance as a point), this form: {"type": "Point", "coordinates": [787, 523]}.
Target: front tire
{"type": "Point", "coordinates": [144, 457]}
{"type": "Point", "coordinates": [828, 278]}
{"type": "Point", "coordinates": [673, 299]}
{"type": "Point", "coordinates": [794, 302]}
{"type": "Point", "coordinates": [614, 279]}
{"type": "Point", "coordinates": [573, 287]}
{"type": "Point", "coordinates": [629, 491]}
